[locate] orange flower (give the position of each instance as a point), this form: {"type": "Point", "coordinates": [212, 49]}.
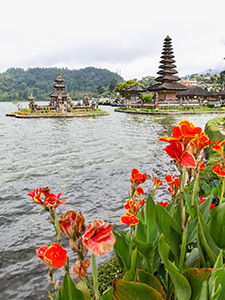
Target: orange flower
{"type": "Point", "coordinates": [129, 219]}
{"type": "Point", "coordinates": [137, 178]}
{"type": "Point", "coordinates": [56, 254]}
{"type": "Point", "coordinates": [218, 147]}
{"type": "Point", "coordinates": [176, 136]}
{"type": "Point", "coordinates": [199, 142]}
{"type": "Point", "coordinates": [218, 169]}
{"type": "Point", "coordinates": [99, 238]}
{"type": "Point", "coordinates": [139, 191]}
{"type": "Point", "coordinates": [131, 206]}
{"type": "Point", "coordinates": [36, 196]}
{"type": "Point", "coordinates": [188, 129]}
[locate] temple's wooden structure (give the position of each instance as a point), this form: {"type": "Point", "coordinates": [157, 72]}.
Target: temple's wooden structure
{"type": "Point", "coordinates": [167, 88]}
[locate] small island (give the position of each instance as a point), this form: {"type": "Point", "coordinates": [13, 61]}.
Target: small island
{"type": "Point", "coordinates": [60, 106]}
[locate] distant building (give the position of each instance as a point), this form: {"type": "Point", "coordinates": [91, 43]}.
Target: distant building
{"type": "Point", "coordinates": [168, 87]}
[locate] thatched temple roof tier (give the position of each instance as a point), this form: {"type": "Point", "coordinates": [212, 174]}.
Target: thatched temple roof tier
{"type": "Point", "coordinates": [167, 86]}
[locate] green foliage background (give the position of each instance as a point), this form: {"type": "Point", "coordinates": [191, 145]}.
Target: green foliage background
{"type": "Point", "coordinates": [18, 84]}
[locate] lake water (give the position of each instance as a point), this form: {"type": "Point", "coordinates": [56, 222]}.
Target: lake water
{"type": "Point", "coordinates": [89, 161]}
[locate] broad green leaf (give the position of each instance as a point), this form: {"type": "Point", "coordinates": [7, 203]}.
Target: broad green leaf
{"type": "Point", "coordinates": [69, 291]}
{"type": "Point", "coordinates": [141, 231]}
{"type": "Point", "coordinates": [122, 250]}
{"type": "Point", "coordinates": [207, 248]}
{"type": "Point", "coordinates": [171, 230]}
{"type": "Point", "coordinates": [151, 280]}
{"type": "Point", "coordinates": [206, 188]}
{"type": "Point", "coordinates": [195, 277]}
{"type": "Point", "coordinates": [147, 252]}
{"type": "Point", "coordinates": [217, 225]}
{"type": "Point", "coordinates": [82, 286]}
{"type": "Point", "coordinates": [204, 291]}
{"type": "Point", "coordinates": [192, 258]}
{"type": "Point", "coordinates": [127, 290]}
{"type": "Point", "coordinates": [182, 286]}
{"type": "Point", "coordinates": [217, 279]}
{"type": "Point", "coordinates": [152, 230]}
{"type": "Point", "coordinates": [131, 274]}
{"type": "Point", "coordinates": [108, 295]}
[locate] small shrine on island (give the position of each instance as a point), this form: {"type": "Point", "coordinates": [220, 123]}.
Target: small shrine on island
{"type": "Point", "coordinates": [167, 88]}
{"type": "Point", "coordinates": [60, 100]}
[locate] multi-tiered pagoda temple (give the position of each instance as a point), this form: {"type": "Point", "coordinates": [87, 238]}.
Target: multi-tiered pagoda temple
{"type": "Point", "coordinates": [168, 87]}
{"type": "Point", "coordinates": [60, 95]}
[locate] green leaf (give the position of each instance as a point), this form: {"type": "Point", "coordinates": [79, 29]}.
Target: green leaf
{"type": "Point", "coordinates": [206, 188]}
{"type": "Point", "coordinates": [122, 250]}
{"type": "Point", "coordinates": [192, 258]}
{"type": "Point", "coordinates": [127, 290]}
{"type": "Point", "coordinates": [152, 230]}
{"type": "Point", "coordinates": [195, 277]}
{"type": "Point", "coordinates": [82, 286]}
{"type": "Point", "coordinates": [168, 226]}
{"type": "Point", "coordinates": [217, 279]}
{"type": "Point", "coordinates": [204, 291]}
{"type": "Point", "coordinates": [69, 291]}
{"type": "Point", "coordinates": [108, 295]}
{"type": "Point", "coordinates": [217, 225]}
{"type": "Point", "coordinates": [182, 286]}
{"type": "Point", "coordinates": [130, 275]}
{"type": "Point", "coordinates": [146, 251]}
{"type": "Point", "coordinates": [151, 280]}
{"type": "Point", "coordinates": [141, 231]}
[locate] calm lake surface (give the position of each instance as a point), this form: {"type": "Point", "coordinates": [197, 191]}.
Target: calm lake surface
{"type": "Point", "coordinates": [89, 161]}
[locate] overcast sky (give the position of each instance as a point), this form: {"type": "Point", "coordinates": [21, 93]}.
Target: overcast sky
{"type": "Point", "coordinates": [120, 35]}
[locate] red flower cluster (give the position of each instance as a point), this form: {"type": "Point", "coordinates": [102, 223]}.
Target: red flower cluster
{"type": "Point", "coordinates": [186, 144]}
{"type": "Point", "coordinates": [51, 201]}
{"type": "Point", "coordinates": [174, 184]}
{"type": "Point", "coordinates": [131, 205]}
{"type": "Point", "coordinates": [56, 254]}
{"type": "Point", "coordinates": [164, 204]}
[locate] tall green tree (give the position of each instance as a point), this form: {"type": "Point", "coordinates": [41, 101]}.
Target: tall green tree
{"type": "Point", "coordinates": [123, 86]}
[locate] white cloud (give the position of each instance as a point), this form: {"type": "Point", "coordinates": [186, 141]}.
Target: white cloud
{"type": "Point", "coordinates": [118, 35]}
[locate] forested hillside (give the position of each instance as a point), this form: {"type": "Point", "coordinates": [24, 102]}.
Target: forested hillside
{"type": "Point", "coordinates": [18, 84]}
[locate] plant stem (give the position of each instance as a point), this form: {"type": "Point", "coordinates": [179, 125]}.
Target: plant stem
{"type": "Point", "coordinates": [95, 276]}
{"type": "Point", "coordinates": [222, 191]}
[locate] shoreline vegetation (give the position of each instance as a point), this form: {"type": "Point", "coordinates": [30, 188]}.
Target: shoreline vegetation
{"type": "Point", "coordinates": [27, 114]}
{"type": "Point", "coordinates": [168, 111]}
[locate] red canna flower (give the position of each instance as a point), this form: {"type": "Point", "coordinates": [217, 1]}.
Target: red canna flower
{"type": "Point", "coordinates": [131, 206]}
{"type": "Point", "coordinates": [36, 196]}
{"type": "Point", "coordinates": [40, 254]}
{"type": "Point", "coordinates": [218, 147]}
{"type": "Point", "coordinates": [188, 129]}
{"type": "Point", "coordinates": [139, 191]}
{"type": "Point", "coordinates": [129, 219]}
{"type": "Point", "coordinates": [176, 136]}
{"type": "Point", "coordinates": [218, 169]}
{"type": "Point", "coordinates": [176, 151]}
{"type": "Point", "coordinates": [202, 199]}
{"type": "Point", "coordinates": [99, 238]}
{"type": "Point", "coordinates": [201, 168]}
{"type": "Point", "coordinates": [53, 201]}
{"type": "Point", "coordinates": [212, 205]}
{"type": "Point", "coordinates": [137, 178]}
{"type": "Point", "coordinates": [56, 254]}
{"type": "Point", "coordinates": [164, 204]}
